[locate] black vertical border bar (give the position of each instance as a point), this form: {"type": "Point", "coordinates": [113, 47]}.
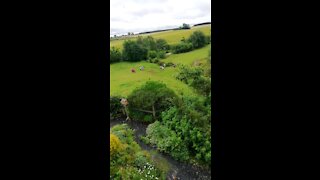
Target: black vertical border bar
{"type": "Point", "coordinates": [217, 126]}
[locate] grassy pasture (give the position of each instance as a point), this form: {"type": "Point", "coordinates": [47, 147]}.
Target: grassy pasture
{"type": "Point", "coordinates": [123, 81]}
{"type": "Point", "coordinates": [172, 36]}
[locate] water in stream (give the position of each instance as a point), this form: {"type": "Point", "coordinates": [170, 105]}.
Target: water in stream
{"type": "Point", "coordinates": [178, 169]}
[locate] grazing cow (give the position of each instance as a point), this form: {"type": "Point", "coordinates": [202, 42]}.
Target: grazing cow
{"type": "Point", "coordinates": [141, 68]}
{"type": "Point", "coordinates": [161, 67]}
{"type": "Point", "coordinates": [132, 70]}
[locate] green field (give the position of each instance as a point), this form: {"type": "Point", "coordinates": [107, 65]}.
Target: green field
{"type": "Point", "coordinates": [123, 81]}
{"type": "Point", "coordinates": [172, 36]}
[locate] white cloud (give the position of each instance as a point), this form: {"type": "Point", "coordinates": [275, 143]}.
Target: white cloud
{"type": "Point", "coordinates": [144, 15]}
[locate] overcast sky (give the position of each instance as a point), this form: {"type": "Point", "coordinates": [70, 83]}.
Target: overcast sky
{"type": "Point", "coordinates": [145, 15]}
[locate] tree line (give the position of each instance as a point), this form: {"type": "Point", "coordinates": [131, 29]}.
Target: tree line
{"type": "Point", "coordinates": [148, 48]}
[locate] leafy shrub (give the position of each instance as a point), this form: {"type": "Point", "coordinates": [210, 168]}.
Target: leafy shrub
{"type": "Point", "coordinates": [169, 64]}
{"type": "Point", "coordinates": [147, 118]}
{"type": "Point", "coordinates": [133, 52]}
{"type": "Point", "coordinates": [147, 42]}
{"type": "Point", "coordinates": [182, 47]}
{"type": "Point", "coordinates": [124, 133]}
{"type": "Point", "coordinates": [202, 85]}
{"type": "Point", "coordinates": [115, 145]}
{"type": "Point", "coordinates": [167, 141]}
{"type": "Point", "coordinates": [191, 120]}
{"type": "Point", "coordinates": [198, 39]}
{"type": "Point", "coordinates": [152, 54]}
{"type": "Point", "coordinates": [115, 106]}
{"type": "Point", "coordinates": [115, 55]}
{"type": "Point", "coordinates": [195, 78]}
{"type": "Point", "coordinates": [161, 54]}
{"type": "Point", "coordinates": [129, 161]}
{"type": "Point", "coordinates": [153, 97]}
{"type": "Point", "coordinates": [162, 45]}
{"type": "Point", "coordinates": [154, 60]}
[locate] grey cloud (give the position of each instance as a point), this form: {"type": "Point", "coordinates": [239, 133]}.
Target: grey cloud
{"type": "Point", "coordinates": [147, 11]}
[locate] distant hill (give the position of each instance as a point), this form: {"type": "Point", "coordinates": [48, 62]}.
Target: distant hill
{"type": "Point", "coordinates": [202, 24]}
{"type": "Point", "coordinates": [148, 32]}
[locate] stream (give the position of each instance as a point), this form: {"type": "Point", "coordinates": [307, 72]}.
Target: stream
{"type": "Point", "coordinates": [180, 170]}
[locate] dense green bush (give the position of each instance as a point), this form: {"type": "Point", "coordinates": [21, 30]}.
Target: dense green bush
{"type": "Point", "coordinates": [202, 85]}
{"type": "Point", "coordinates": [115, 55]}
{"type": "Point", "coordinates": [162, 45]}
{"type": "Point", "coordinates": [161, 54]}
{"type": "Point", "coordinates": [182, 47]}
{"type": "Point", "coordinates": [132, 51]}
{"type": "Point", "coordinates": [152, 54]}
{"type": "Point", "coordinates": [167, 141]}
{"type": "Point", "coordinates": [147, 42]}
{"type": "Point", "coordinates": [198, 39]}
{"type": "Point", "coordinates": [143, 49]}
{"type": "Point", "coordinates": [115, 106]}
{"type": "Point", "coordinates": [154, 60]}
{"type": "Point", "coordinates": [128, 161]}
{"type": "Point", "coordinates": [191, 120]}
{"type": "Point", "coordinates": [195, 77]}
{"type": "Point", "coordinates": [150, 99]}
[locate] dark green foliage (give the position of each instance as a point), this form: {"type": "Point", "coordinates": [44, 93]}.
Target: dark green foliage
{"type": "Point", "coordinates": [148, 43]}
{"type": "Point", "coordinates": [202, 85]}
{"type": "Point", "coordinates": [144, 48]}
{"type": "Point", "coordinates": [154, 60]}
{"type": "Point", "coordinates": [169, 64]}
{"type": "Point", "coordinates": [153, 96]}
{"type": "Point", "coordinates": [184, 130]}
{"type": "Point", "coordinates": [115, 55]}
{"type": "Point", "coordinates": [192, 122]}
{"type": "Point", "coordinates": [162, 45]}
{"type": "Point", "coordinates": [132, 51]}
{"type": "Point", "coordinates": [115, 106]}
{"type": "Point", "coordinates": [131, 162]}
{"type": "Point", "coordinates": [198, 39]}
{"type": "Point", "coordinates": [161, 54]}
{"type": "Point", "coordinates": [185, 26]}
{"type": "Point", "coordinates": [147, 118]}
{"type": "Point", "coordinates": [186, 74]}
{"type": "Point", "coordinates": [195, 78]}
{"type": "Point", "coordinates": [208, 39]}
{"type": "Point", "coordinates": [182, 47]}
{"type": "Point", "coordinates": [208, 68]}
{"type": "Point", "coordinates": [167, 141]}
{"type": "Point", "coordinates": [152, 54]}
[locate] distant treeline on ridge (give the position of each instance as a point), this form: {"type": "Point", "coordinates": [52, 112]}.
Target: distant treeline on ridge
{"type": "Point", "coordinates": [147, 32]}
